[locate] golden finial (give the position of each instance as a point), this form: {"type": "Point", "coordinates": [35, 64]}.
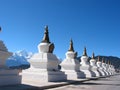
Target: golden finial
{"type": "Point", "coordinates": [103, 60]}
{"type": "Point", "coordinates": [46, 35]}
{"type": "Point", "coordinates": [108, 62]}
{"type": "Point", "coordinates": [85, 52]}
{"type": "Point", "coordinates": [93, 55]}
{"type": "Point", "coordinates": [71, 46]}
{"type": "Point", "coordinates": [111, 63]}
{"type": "Point", "coordinates": [76, 55]}
{"type": "Point", "coordinates": [98, 58]}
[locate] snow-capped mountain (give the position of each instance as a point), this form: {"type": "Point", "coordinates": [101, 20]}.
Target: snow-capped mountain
{"type": "Point", "coordinates": [24, 53]}
{"type": "Point", "coordinates": [19, 60]}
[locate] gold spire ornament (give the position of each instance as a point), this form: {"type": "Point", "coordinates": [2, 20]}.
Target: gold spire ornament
{"type": "Point", "coordinates": [93, 55]}
{"type": "Point", "coordinates": [71, 46]}
{"type": "Point", "coordinates": [51, 47]}
{"type": "Point", "coordinates": [46, 36]}
{"type": "Point", "coordinates": [76, 55]}
{"type": "Point", "coordinates": [85, 52]}
{"type": "Point", "coordinates": [98, 59]}
{"type": "Point", "coordinates": [103, 60]}
{"type": "Point", "coordinates": [108, 62]}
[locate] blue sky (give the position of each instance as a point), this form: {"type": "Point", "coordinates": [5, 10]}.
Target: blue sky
{"type": "Point", "coordinates": [91, 23]}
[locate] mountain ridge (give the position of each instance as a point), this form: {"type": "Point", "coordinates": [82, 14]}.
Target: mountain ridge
{"type": "Point", "coordinates": [115, 61]}
{"type": "Point", "coordinates": [19, 60]}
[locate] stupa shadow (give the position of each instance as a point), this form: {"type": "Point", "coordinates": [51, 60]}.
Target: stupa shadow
{"type": "Point", "coordinates": [18, 87]}
{"type": "Point", "coordinates": [99, 84]}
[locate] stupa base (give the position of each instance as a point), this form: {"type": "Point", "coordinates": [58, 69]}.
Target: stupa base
{"type": "Point", "coordinates": [9, 77]}
{"type": "Point", "coordinates": [40, 75]}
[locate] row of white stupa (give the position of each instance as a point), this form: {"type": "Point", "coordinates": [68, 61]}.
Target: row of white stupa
{"type": "Point", "coordinates": [84, 69]}
{"type": "Point", "coordinates": [44, 66]}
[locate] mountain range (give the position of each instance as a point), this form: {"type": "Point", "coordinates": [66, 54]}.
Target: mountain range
{"type": "Point", "coordinates": [19, 60]}
{"type": "Point", "coordinates": [115, 61]}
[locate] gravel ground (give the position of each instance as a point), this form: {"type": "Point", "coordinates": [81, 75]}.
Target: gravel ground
{"type": "Point", "coordinates": [110, 83]}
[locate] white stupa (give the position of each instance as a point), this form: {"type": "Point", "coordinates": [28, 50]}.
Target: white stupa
{"type": "Point", "coordinates": [110, 69]}
{"type": "Point", "coordinates": [44, 64]}
{"type": "Point", "coordinates": [100, 68]}
{"type": "Point", "coordinates": [104, 65]}
{"type": "Point", "coordinates": [94, 67]}
{"type": "Point", "coordinates": [70, 65]}
{"type": "Point", "coordinates": [7, 76]}
{"type": "Point", "coordinates": [85, 67]}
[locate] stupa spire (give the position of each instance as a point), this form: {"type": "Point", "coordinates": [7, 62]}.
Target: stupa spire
{"type": "Point", "coordinates": [108, 62]}
{"type": "Point", "coordinates": [85, 52]}
{"type": "Point", "coordinates": [71, 46]}
{"type": "Point", "coordinates": [103, 60]}
{"type": "Point", "coordinates": [93, 55]}
{"type": "Point", "coordinates": [46, 35]}
{"type": "Point", "coordinates": [98, 59]}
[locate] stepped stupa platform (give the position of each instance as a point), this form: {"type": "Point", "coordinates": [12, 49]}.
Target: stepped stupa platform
{"type": "Point", "coordinates": [7, 76]}
{"type": "Point", "coordinates": [94, 67]}
{"type": "Point", "coordinates": [44, 64]}
{"type": "Point", "coordinates": [85, 67]}
{"type": "Point", "coordinates": [70, 65]}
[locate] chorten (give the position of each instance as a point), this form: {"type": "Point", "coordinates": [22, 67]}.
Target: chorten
{"type": "Point", "coordinates": [108, 67]}
{"type": "Point", "coordinates": [112, 69]}
{"type": "Point", "coordinates": [70, 65]}
{"type": "Point", "coordinates": [94, 67]}
{"type": "Point", "coordinates": [85, 67]}
{"type": "Point", "coordinates": [44, 64]}
{"type": "Point", "coordinates": [100, 68]}
{"type": "Point", "coordinates": [104, 67]}
{"type": "Point", "coordinates": [7, 76]}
